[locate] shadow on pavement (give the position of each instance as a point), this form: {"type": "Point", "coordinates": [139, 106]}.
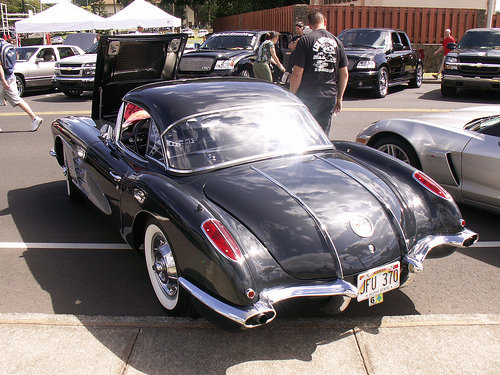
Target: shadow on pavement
{"type": "Point", "coordinates": [468, 97]}
{"type": "Point", "coordinates": [115, 283]}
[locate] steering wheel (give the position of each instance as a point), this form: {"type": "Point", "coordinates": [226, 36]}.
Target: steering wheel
{"type": "Point", "coordinates": [140, 136]}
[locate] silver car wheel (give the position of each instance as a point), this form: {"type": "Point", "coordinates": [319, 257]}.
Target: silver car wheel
{"type": "Point", "coordinates": [382, 85]}
{"type": "Point", "coordinates": [395, 151]}
{"type": "Point", "coordinates": [161, 267]}
{"type": "Point", "coordinates": [20, 85]}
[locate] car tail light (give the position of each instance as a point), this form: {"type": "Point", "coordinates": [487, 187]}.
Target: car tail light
{"type": "Point", "coordinates": [431, 185]}
{"type": "Point", "coordinates": [221, 239]}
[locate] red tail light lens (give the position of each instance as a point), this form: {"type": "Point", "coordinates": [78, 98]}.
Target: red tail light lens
{"type": "Point", "coordinates": [221, 239]}
{"type": "Point", "coordinates": [431, 185]}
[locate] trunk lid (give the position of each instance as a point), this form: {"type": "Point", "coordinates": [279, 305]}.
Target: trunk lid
{"type": "Point", "coordinates": [315, 197]}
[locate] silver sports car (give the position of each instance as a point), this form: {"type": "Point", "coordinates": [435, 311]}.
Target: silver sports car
{"type": "Point", "coordinates": [458, 149]}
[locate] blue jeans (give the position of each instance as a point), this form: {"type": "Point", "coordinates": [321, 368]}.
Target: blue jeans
{"type": "Point", "coordinates": [322, 110]}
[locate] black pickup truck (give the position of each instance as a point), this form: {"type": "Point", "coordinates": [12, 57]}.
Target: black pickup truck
{"type": "Point", "coordinates": [380, 58]}
{"type": "Point", "coordinates": [229, 53]}
{"type": "Point", "coordinates": [473, 63]}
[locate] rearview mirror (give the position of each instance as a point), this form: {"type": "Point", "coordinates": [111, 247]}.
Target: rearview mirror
{"type": "Point", "coordinates": [451, 46]}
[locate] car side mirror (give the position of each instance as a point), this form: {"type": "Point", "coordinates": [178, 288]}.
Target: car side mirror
{"type": "Point", "coordinates": [39, 59]}
{"type": "Point", "coordinates": [398, 46]}
{"type": "Point", "coordinates": [197, 45]}
{"type": "Point", "coordinates": [451, 46]}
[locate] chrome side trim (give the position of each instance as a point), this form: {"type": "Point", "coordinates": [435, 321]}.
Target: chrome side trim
{"type": "Point", "coordinates": [403, 242]}
{"type": "Point", "coordinates": [324, 289]}
{"type": "Point", "coordinates": [245, 315]}
{"type": "Point", "coordinates": [321, 227]}
{"type": "Point", "coordinates": [421, 249]}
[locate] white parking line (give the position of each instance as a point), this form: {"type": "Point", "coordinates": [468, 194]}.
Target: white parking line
{"type": "Point", "coordinates": [119, 246]}
{"type": "Point", "coordinates": [47, 245]}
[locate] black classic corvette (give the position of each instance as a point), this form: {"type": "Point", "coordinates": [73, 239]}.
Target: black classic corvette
{"type": "Point", "coordinates": [237, 198]}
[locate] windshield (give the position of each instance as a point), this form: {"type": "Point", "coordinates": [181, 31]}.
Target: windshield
{"type": "Point", "coordinates": [227, 137]}
{"type": "Point", "coordinates": [25, 53]}
{"type": "Point", "coordinates": [230, 41]}
{"type": "Point", "coordinates": [93, 49]}
{"type": "Point", "coordinates": [364, 38]}
{"type": "Point", "coordinates": [480, 39]}
{"type": "Point", "coordinates": [480, 124]}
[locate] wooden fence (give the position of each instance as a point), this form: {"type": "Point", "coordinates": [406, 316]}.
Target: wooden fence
{"type": "Point", "coordinates": [422, 25]}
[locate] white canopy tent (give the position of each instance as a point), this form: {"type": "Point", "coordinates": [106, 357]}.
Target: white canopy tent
{"type": "Point", "coordinates": [140, 12]}
{"type": "Point", "coordinates": [60, 17]}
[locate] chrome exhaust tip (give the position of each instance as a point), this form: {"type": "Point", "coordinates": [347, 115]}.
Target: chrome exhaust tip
{"type": "Point", "coordinates": [471, 240]}
{"type": "Point", "coordinates": [260, 319]}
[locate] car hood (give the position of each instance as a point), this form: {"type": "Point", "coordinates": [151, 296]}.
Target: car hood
{"type": "Point", "coordinates": [359, 53]}
{"type": "Point", "coordinates": [80, 59]}
{"type": "Point", "coordinates": [219, 54]}
{"type": "Point", "coordinates": [480, 52]}
{"type": "Point", "coordinates": [459, 118]}
{"type": "Point", "coordinates": [294, 204]}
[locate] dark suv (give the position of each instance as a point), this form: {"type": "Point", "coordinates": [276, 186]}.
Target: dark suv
{"type": "Point", "coordinates": [229, 53]}
{"type": "Point", "coordinates": [473, 63]}
{"type": "Point", "coordinates": [379, 58]}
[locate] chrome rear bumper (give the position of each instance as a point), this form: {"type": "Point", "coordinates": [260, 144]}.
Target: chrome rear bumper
{"type": "Point", "coordinates": [449, 243]}
{"type": "Point", "coordinates": [263, 312]}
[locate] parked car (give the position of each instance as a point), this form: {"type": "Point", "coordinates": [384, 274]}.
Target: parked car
{"type": "Point", "coordinates": [380, 58]}
{"type": "Point", "coordinates": [35, 65]}
{"type": "Point", "coordinates": [458, 149]}
{"type": "Point", "coordinates": [202, 32]}
{"type": "Point", "coordinates": [229, 53]}
{"type": "Point", "coordinates": [189, 32]}
{"type": "Point", "coordinates": [240, 204]}
{"type": "Point", "coordinates": [74, 75]}
{"type": "Point", "coordinates": [474, 63]}
{"type": "Point", "coordinates": [58, 39]}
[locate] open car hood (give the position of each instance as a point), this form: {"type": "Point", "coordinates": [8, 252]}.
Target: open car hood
{"type": "Point", "coordinates": [125, 62]}
{"type": "Point", "coordinates": [345, 209]}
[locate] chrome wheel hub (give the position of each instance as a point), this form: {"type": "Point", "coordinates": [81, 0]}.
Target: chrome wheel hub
{"type": "Point", "coordinates": [395, 151]}
{"type": "Point", "coordinates": [164, 267]}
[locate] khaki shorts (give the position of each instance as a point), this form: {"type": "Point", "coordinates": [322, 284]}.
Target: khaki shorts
{"type": "Point", "coordinates": [11, 94]}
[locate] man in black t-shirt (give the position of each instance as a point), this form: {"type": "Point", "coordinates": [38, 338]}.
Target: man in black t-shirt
{"type": "Point", "coordinates": [320, 74]}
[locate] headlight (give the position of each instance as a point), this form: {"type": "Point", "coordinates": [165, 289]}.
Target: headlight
{"type": "Point", "coordinates": [224, 65]}
{"type": "Point", "coordinates": [366, 64]}
{"type": "Point", "coordinates": [89, 69]}
{"type": "Point", "coordinates": [451, 63]}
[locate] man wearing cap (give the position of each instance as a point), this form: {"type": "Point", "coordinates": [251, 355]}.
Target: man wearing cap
{"type": "Point", "coordinates": [320, 74]}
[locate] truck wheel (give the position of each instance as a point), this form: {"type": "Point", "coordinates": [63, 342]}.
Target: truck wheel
{"type": "Point", "coordinates": [73, 93]}
{"type": "Point", "coordinates": [419, 75]}
{"type": "Point", "coordinates": [382, 86]}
